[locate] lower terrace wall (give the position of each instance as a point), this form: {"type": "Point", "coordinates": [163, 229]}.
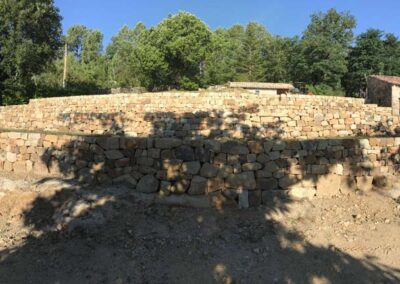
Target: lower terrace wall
{"type": "Point", "coordinates": [216, 167]}
{"type": "Point", "coordinates": [208, 114]}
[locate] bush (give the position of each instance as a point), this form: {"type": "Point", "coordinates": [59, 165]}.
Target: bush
{"type": "Point", "coordinates": [325, 90]}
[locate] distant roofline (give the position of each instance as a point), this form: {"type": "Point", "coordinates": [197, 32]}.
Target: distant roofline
{"type": "Point", "coordinates": [394, 80]}
{"type": "Point", "coordinates": [260, 85]}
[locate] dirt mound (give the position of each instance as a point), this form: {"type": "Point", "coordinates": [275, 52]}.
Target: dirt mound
{"type": "Point", "coordinates": [59, 232]}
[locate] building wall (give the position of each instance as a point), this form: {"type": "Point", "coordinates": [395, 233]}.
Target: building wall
{"type": "Point", "coordinates": [206, 114]}
{"type": "Point", "coordinates": [396, 100]}
{"type": "Point", "coordinates": [223, 168]}
{"type": "Point", "coordinates": [379, 92]}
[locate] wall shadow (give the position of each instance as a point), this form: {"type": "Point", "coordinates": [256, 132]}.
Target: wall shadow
{"type": "Point", "coordinates": [92, 229]}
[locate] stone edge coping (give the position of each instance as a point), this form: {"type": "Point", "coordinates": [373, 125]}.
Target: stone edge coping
{"type": "Point", "coordinates": [81, 134]}
{"type": "Point", "coordinates": [192, 94]}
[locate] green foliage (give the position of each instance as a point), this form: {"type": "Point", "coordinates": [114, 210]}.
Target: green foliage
{"type": "Point", "coordinates": [30, 37]}
{"type": "Point", "coordinates": [220, 62]}
{"type": "Point", "coordinates": [251, 55]}
{"type": "Point", "coordinates": [182, 53]}
{"type": "Point", "coordinates": [184, 41]}
{"type": "Point", "coordinates": [123, 69]}
{"type": "Point", "coordinates": [278, 59]}
{"type": "Point", "coordinates": [325, 90]}
{"type": "Point", "coordinates": [373, 53]}
{"type": "Point", "coordinates": [325, 45]}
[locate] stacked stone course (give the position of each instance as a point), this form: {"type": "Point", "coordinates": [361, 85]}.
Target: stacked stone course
{"type": "Point", "coordinates": [207, 114]}
{"type": "Point", "coordinates": [217, 143]}
{"type": "Point", "coordinates": [217, 167]}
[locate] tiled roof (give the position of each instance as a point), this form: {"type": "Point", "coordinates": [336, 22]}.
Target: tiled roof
{"type": "Point", "coordinates": [259, 85]}
{"type": "Point", "coordinates": [395, 80]}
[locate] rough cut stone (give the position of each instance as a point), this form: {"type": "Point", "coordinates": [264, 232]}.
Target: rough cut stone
{"type": "Point", "coordinates": [11, 157]}
{"type": "Point", "coordinates": [364, 183]}
{"type": "Point", "coordinates": [191, 167]}
{"type": "Point", "coordinates": [251, 166]}
{"type": "Point", "coordinates": [254, 198]}
{"type": "Point", "coordinates": [208, 170]}
{"type": "Point", "coordinates": [114, 155]}
{"type": "Point", "coordinates": [147, 184]}
{"type": "Point", "coordinates": [127, 180]}
{"type": "Point", "coordinates": [234, 148]}
{"type": "Point", "coordinates": [267, 184]}
{"type": "Point", "coordinates": [245, 181]}
{"type": "Point", "coordinates": [184, 153]}
{"type": "Point", "coordinates": [198, 186]}
{"type": "Point", "coordinates": [255, 147]}
{"type": "Point", "coordinates": [302, 193]}
{"type": "Point", "coordinates": [329, 185]}
{"type": "Point", "coordinates": [348, 185]}
{"type": "Point", "coordinates": [167, 143]}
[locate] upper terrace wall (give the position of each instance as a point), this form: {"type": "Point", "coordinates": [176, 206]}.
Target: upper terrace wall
{"type": "Point", "coordinates": [210, 114]}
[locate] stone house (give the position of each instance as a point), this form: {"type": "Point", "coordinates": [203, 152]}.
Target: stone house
{"type": "Point", "coordinates": [384, 91]}
{"type": "Point", "coordinates": [262, 88]}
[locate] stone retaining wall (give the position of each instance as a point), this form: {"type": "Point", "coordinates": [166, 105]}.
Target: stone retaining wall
{"type": "Point", "coordinates": [218, 167]}
{"type": "Point", "coordinates": [208, 114]}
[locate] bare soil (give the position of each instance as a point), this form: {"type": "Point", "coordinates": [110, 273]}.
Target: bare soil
{"type": "Point", "coordinates": [58, 232]}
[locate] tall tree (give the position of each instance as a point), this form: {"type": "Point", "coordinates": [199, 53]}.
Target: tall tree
{"type": "Point", "coordinates": [120, 54]}
{"type": "Point", "coordinates": [252, 53]}
{"type": "Point", "coordinates": [373, 53]}
{"type": "Point", "coordinates": [277, 61]}
{"type": "Point", "coordinates": [325, 46]}
{"type": "Point", "coordinates": [365, 58]}
{"type": "Point", "coordinates": [184, 41]}
{"type": "Point", "coordinates": [30, 38]}
{"type": "Point", "coordinates": [220, 63]}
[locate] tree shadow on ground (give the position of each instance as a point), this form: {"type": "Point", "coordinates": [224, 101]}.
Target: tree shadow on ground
{"type": "Point", "coordinates": [95, 228]}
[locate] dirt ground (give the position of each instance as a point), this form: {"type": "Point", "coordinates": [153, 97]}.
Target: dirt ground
{"type": "Point", "coordinates": [58, 232]}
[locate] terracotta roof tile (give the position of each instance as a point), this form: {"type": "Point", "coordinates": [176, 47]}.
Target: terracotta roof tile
{"type": "Point", "coordinates": [395, 80]}
{"type": "Point", "coordinates": [259, 85]}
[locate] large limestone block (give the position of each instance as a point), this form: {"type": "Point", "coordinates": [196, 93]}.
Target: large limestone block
{"type": "Point", "coordinates": [198, 186]}
{"type": "Point", "coordinates": [114, 155]}
{"type": "Point", "coordinates": [245, 181]}
{"type": "Point", "coordinates": [302, 193]}
{"type": "Point", "coordinates": [364, 183]}
{"type": "Point", "coordinates": [191, 168]}
{"type": "Point", "coordinates": [147, 184]}
{"type": "Point", "coordinates": [208, 170]}
{"type": "Point", "coordinates": [328, 185]}
{"type": "Point", "coordinates": [234, 148]}
{"type": "Point", "coordinates": [167, 143]}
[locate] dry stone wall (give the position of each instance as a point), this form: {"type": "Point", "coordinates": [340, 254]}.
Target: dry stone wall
{"type": "Point", "coordinates": [220, 168]}
{"type": "Point", "coordinates": [208, 114]}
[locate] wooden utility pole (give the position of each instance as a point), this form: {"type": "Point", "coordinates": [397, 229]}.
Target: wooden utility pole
{"type": "Point", "coordinates": [64, 83]}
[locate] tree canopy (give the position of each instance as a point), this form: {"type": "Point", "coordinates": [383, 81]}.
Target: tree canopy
{"type": "Point", "coordinates": [182, 52]}
{"type": "Point", "coordinates": [30, 38]}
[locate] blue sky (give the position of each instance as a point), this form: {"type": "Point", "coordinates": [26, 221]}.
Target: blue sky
{"type": "Point", "coordinates": [282, 17]}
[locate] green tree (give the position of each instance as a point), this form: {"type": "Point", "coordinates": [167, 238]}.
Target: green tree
{"type": "Point", "coordinates": [365, 58]}
{"type": "Point", "coordinates": [120, 54]}
{"type": "Point", "coordinates": [325, 46]}
{"type": "Point", "coordinates": [252, 53]}
{"type": "Point", "coordinates": [220, 63]}
{"type": "Point", "coordinates": [278, 59]}
{"type": "Point", "coordinates": [87, 67]}
{"type": "Point", "coordinates": [391, 57]}
{"type": "Point", "coordinates": [30, 38]}
{"type": "Point", "coordinates": [373, 53]}
{"type": "Point", "coordinates": [184, 41]}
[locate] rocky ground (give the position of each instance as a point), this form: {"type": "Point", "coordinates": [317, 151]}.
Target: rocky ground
{"type": "Point", "coordinates": [57, 232]}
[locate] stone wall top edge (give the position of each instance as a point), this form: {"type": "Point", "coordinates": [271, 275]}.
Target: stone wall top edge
{"type": "Point", "coordinates": [199, 94]}
{"type": "Point", "coordinates": [83, 135]}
